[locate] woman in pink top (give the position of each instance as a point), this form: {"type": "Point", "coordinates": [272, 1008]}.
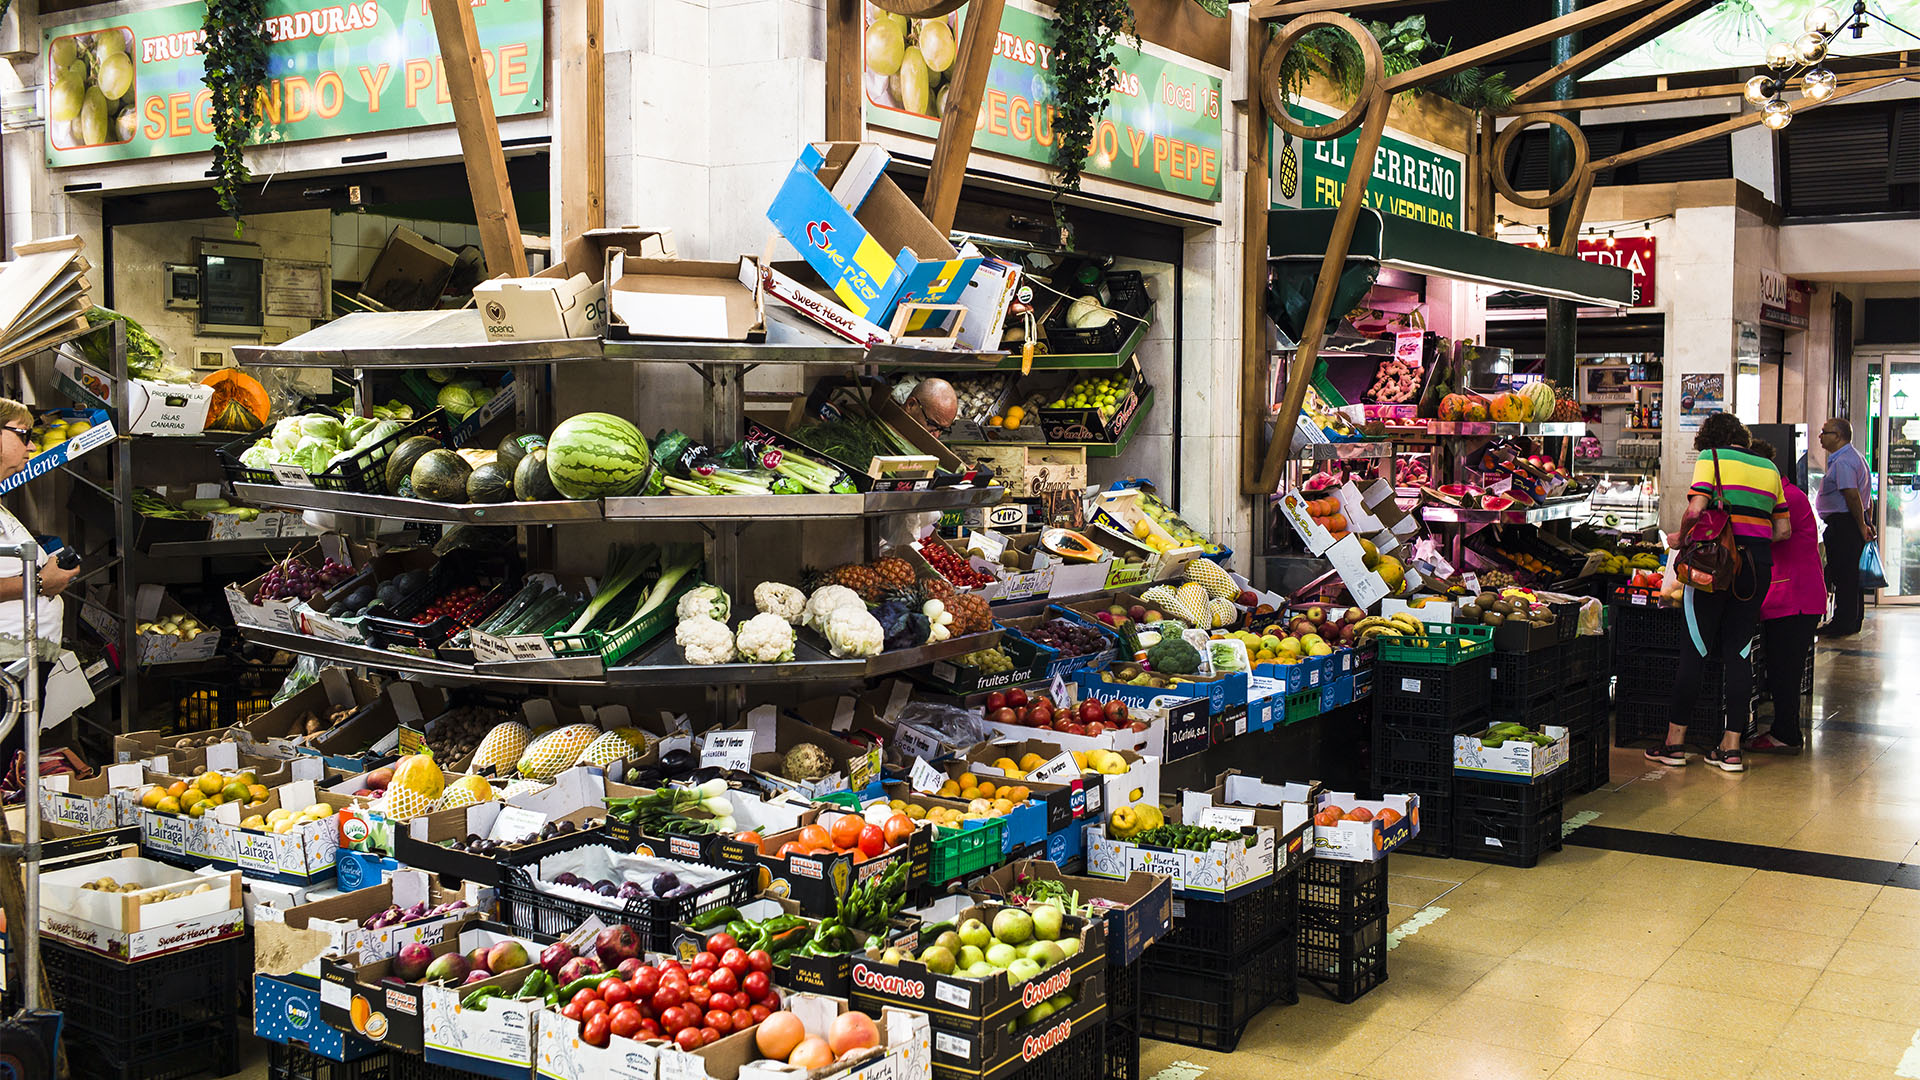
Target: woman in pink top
{"type": "Point", "coordinates": [1795, 603]}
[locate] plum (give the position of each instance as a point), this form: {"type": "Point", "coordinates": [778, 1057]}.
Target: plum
{"type": "Point", "coordinates": [606, 888]}
{"type": "Point", "coordinates": [665, 882]}
{"type": "Point", "coordinates": [630, 890]}
{"type": "Point", "coordinates": [565, 878]}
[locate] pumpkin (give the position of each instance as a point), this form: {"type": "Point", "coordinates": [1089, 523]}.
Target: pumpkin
{"type": "Point", "coordinates": [239, 402]}
{"type": "Point", "coordinates": [1463, 407]}
{"type": "Point", "coordinates": [1508, 408]}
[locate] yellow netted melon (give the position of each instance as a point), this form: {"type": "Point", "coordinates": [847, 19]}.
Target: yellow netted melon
{"type": "Point", "coordinates": [557, 751]}
{"type": "Point", "coordinates": [465, 792]}
{"type": "Point", "coordinates": [502, 746]}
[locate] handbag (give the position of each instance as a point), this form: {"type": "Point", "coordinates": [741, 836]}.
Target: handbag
{"type": "Point", "coordinates": [1709, 559]}
{"type": "Point", "coordinates": [1872, 574]}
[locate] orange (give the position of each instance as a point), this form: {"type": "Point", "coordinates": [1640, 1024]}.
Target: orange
{"type": "Point", "coordinates": [816, 836]}
{"type": "Point", "coordinates": [1388, 816]}
{"type": "Point", "coordinates": [985, 790]}
{"type": "Point", "coordinates": [846, 830]}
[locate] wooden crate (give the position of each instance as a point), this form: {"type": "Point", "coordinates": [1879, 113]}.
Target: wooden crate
{"type": "Point", "coordinates": [1025, 469]}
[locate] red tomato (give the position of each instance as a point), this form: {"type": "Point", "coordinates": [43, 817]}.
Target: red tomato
{"type": "Point", "coordinates": [721, 1000]}
{"type": "Point", "coordinates": [760, 960]}
{"type": "Point", "coordinates": [721, 1022]}
{"type": "Point", "coordinates": [645, 982]}
{"type": "Point", "coordinates": [594, 1031]}
{"type": "Point", "coordinates": [735, 960]}
{"type": "Point", "coordinates": [705, 960]}
{"type": "Point", "coordinates": [673, 1019]}
{"type": "Point", "coordinates": [615, 992]}
{"type": "Point", "coordinates": [594, 1008]}
{"type": "Point", "coordinates": [873, 841]}
{"type": "Point", "coordinates": [688, 1039]}
{"type": "Point", "coordinates": [625, 1023]}
{"type": "Point", "coordinates": [724, 980]}
{"type": "Point", "coordinates": [699, 995]}
{"type": "Point", "coordinates": [649, 1029]}
{"type": "Point", "coordinates": [755, 984]}
{"type": "Point", "coordinates": [719, 943]}
{"type": "Point", "coordinates": [759, 1012]}
{"type": "Point", "coordinates": [584, 995]}
{"type": "Point", "coordinates": [708, 1036]}
{"type": "Point", "coordinates": [699, 976]}
{"type": "Point", "coordinates": [571, 1012]}
{"type": "Point", "coordinates": [666, 997]}
{"type": "Point", "coordinates": [743, 1019]}
{"type": "Point", "coordinates": [771, 1001]}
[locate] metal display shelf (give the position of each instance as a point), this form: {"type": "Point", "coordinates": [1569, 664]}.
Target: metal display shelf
{"type": "Point", "coordinates": [665, 665]}
{"type": "Point", "coordinates": [627, 508]}
{"type": "Point", "coordinates": [1084, 361]}
{"type": "Point", "coordinates": [1345, 451]}
{"type": "Point", "coordinates": [1554, 511]}
{"type": "Point", "coordinates": [410, 339]}
{"type": "Point", "coordinates": [1492, 429]}
{"type": "Point", "coordinates": [214, 549]}
{"type": "Point", "coordinates": [1119, 445]}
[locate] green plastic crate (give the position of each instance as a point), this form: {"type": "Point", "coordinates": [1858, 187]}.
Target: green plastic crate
{"type": "Point", "coordinates": [1449, 644]}
{"type": "Point", "coordinates": [1304, 705]}
{"type": "Point", "coordinates": [612, 648]}
{"type": "Point", "coordinates": [961, 853]}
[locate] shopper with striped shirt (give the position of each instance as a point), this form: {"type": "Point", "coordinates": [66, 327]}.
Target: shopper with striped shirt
{"type": "Point", "coordinates": [1722, 623]}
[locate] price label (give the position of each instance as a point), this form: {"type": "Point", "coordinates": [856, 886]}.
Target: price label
{"type": "Point", "coordinates": [843, 714]}
{"type": "Point", "coordinates": [1639, 600]}
{"type": "Point", "coordinates": [728, 750]}
{"type": "Point", "coordinates": [924, 777]}
{"type": "Point", "coordinates": [1472, 581]}
{"type": "Point", "coordinates": [514, 822]}
{"type": "Point", "coordinates": [291, 476]}
{"type": "Point", "coordinates": [1060, 770]}
{"type": "Point", "coordinates": [1410, 686]}
{"type": "Point", "coordinates": [1062, 690]}
{"type": "Point", "coordinates": [488, 649]}
{"type": "Point", "coordinates": [916, 743]}
{"type": "Point", "coordinates": [1226, 817]}
{"type": "Point", "coordinates": [529, 647]}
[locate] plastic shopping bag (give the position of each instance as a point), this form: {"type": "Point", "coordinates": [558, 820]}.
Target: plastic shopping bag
{"type": "Point", "coordinates": [1872, 575]}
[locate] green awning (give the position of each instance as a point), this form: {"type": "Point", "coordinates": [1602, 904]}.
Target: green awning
{"type": "Point", "coordinates": [1418, 248]}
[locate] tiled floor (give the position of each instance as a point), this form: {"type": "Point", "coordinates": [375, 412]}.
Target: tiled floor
{"type": "Point", "coordinates": [1609, 965]}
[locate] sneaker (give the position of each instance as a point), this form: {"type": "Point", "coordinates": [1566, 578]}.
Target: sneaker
{"type": "Point", "coordinates": [1668, 755]}
{"type": "Point", "coordinates": [1767, 744]}
{"type": "Point", "coordinates": [1727, 760]}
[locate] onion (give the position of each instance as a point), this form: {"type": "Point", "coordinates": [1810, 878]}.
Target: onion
{"type": "Point", "coordinates": [939, 405]}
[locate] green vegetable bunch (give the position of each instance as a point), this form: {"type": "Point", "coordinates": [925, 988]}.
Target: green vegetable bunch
{"type": "Point", "coordinates": [694, 811]}
{"type": "Point", "coordinates": [1173, 656]}
{"type": "Point", "coordinates": [1189, 837]}
{"type": "Point", "coordinates": [870, 904]}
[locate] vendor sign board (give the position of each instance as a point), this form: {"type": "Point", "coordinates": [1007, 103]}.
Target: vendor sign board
{"type": "Point", "coordinates": [1160, 130]}
{"type": "Point", "coordinates": [133, 85]}
{"type": "Point", "coordinates": [1412, 178]}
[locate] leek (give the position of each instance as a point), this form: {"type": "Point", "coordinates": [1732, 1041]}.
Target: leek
{"type": "Point", "coordinates": [677, 562]}
{"type": "Point", "coordinates": [625, 566]}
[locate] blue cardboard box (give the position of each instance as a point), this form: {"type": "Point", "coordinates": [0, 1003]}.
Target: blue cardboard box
{"type": "Point", "coordinates": [286, 1010]}
{"type": "Point", "coordinates": [1342, 691]}
{"type": "Point", "coordinates": [864, 236]}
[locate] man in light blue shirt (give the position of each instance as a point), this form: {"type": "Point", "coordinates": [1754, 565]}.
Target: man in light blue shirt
{"type": "Point", "coordinates": [1842, 504]}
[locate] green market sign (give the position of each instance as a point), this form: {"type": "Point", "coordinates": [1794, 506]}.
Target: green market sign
{"type": "Point", "coordinates": [1412, 178]}
{"type": "Point", "coordinates": [1161, 129]}
{"type": "Point", "coordinates": [133, 86]}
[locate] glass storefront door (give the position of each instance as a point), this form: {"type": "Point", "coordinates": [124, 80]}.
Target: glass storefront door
{"type": "Point", "coordinates": [1893, 399]}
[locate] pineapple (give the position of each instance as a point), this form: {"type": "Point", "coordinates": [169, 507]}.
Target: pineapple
{"type": "Point", "coordinates": [501, 747]}
{"type": "Point", "coordinates": [861, 578]}
{"type": "Point", "coordinates": [970, 614]}
{"type": "Point", "coordinates": [1209, 576]}
{"type": "Point", "coordinates": [895, 572]}
{"type": "Point", "coordinates": [557, 751]}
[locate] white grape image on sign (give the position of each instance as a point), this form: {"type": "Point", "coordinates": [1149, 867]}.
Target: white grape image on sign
{"type": "Point", "coordinates": [90, 88]}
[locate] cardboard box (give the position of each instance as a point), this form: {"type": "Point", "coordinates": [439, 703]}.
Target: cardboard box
{"type": "Point", "coordinates": [853, 768]}
{"type": "Point", "coordinates": [863, 235]}
{"type": "Point", "coordinates": [1090, 793]}
{"type": "Point", "coordinates": [280, 733]}
{"type": "Point", "coordinates": [713, 849]}
{"type": "Point", "coordinates": [1365, 841]}
{"type": "Point", "coordinates": [1186, 707]}
{"type": "Point", "coordinates": [286, 1010]}
{"type": "Point", "coordinates": [291, 940]}
{"type": "Point", "coordinates": [88, 805]}
{"type": "Point", "coordinates": [684, 301]}
{"type": "Point", "coordinates": [305, 853]}
{"type": "Point", "coordinates": [1029, 661]}
{"type": "Point", "coordinates": [59, 841]}
{"type": "Point", "coordinates": [354, 997]}
{"type": "Point", "coordinates": [577, 795]}
{"type": "Point", "coordinates": [373, 734]}
{"type": "Point", "coordinates": [819, 882]}
{"type": "Point", "coordinates": [409, 273]}
{"type": "Point", "coordinates": [270, 614]}
{"type": "Point", "coordinates": [1117, 513]}
{"type": "Point", "coordinates": [1089, 425]}
{"type": "Point", "coordinates": [1139, 910]}
{"type": "Point", "coordinates": [796, 286]}
{"type": "Point", "coordinates": [1027, 470]}
{"type": "Point", "coordinates": [1235, 789]}
{"type": "Point", "coordinates": [119, 926]}
{"type": "Point", "coordinates": [154, 407]}
{"type": "Point", "coordinates": [1515, 761]}
{"type": "Point", "coordinates": [100, 434]}
{"type": "Point", "coordinates": [542, 308]}
{"type": "Point", "coordinates": [498, 1040]}
{"type": "Point", "coordinates": [988, 294]}
{"type": "Point", "coordinates": [1226, 870]}
{"type": "Point", "coordinates": [151, 603]}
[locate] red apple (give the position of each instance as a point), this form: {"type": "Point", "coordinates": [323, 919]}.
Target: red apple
{"type": "Point", "coordinates": [1096, 728]}
{"type": "Point", "coordinates": [1075, 729]}
{"type": "Point", "coordinates": [1002, 716]}
{"type": "Point", "coordinates": [1248, 598]}
{"type": "Point", "coordinates": [1040, 717]}
{"type": "Point", "coordinates": [1016, 697]}
{"type": "Point", "coordinates": [1091, 710]}
{"type": "Point", "coordinates": [1137, 725]}
{"type": "Point", "coordinates": [1116, 711]}
{"type": "Point", "coordinates": [996, 700]}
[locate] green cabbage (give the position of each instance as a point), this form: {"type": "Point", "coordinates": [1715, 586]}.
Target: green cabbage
{"type": "Point", "coordinates": [324, 428]}
{"type": "Point", "coordinates": [260, 455]}
{"type": "Point", "coordinates": [313, 453]}
{"type": "Point", "coordinates": [460, 399]}
{"type": "Point", "coordinates": [380, 429]}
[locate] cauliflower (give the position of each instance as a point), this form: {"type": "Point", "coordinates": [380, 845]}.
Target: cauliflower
{"type": "Point", "coordinates": [774, 598]}
{"type": "Point", "coordinates": [853, 631]}
{"type": "Point", "coordinates": [704, 640]}
{"type": "Point", "coordinates": [824, 601]}
{"type": "Point", "coordinates": [765, 639]}
{"type": "Point", "coordinates": [709, 601]}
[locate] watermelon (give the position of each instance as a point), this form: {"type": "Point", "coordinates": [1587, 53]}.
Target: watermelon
{"type": "Point", "coordinates": [515, 446]}
{"type": "Point", "coordinates": [441, 475]}
{"type": "Point", "coordinates": [400, 463]}
{"type": "Point", "coordinates": [530, 480]}
{"type": "Point", "coordinates": [595, 455]}
{"type": "Point", "coordinates": [490, 483]}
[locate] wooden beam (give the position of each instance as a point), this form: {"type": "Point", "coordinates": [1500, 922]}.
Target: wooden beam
{"type": "Point", "coordinates": [1646, 26]}
{"type": "Point", "coordinates": [1726, 127]}
{"type": "Point", "coordinates": [582, 147]}
{"type": "Point", "coordinates": [1524, 39]}
{"type": "Point", "coordinates": [1290, 9]}
{"type": "Point", "coordinates": [844, 71]}
{"type": "Point", "coordinates": [978, 33]}
{"type": "Point", "coordinates": [1352, 200]}
{"type": "Point", "coordinates": [1253, 277]}
{"type": "Point", "coordinates": [1681, 93]}
{"type": "Point", "coordinates": [473, 118]}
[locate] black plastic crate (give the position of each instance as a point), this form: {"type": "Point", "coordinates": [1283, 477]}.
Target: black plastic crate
{"type": "Point", "coordinates": [1431, 695]}
{"type": "Point", "coordinates": [1499, 797]}
{"type": "Point", "coordinates": [207, 704]}
{"type": "Point", "coordinates": [1545, 709]}
{"type": "Point", "coordinates": [1122, 1049]}
{"type": "Point", "coordinates": [1396, 747]}
{"type": "Point", "coordinates": [1637, 627]}
{"type": "Point", "coordinates": [528, 910]}
{"type": "Point", "coordinates": [1336, 888]}
{"type": "Point", "coordinates": [1082, 1057]}
{"type": "Point", "coordinates": [1586, 657]}
{"type": "Point", "coordinates": [1227, 928]}
{"type": "Point", "coordinates": [1638, 722]}
{"type": "Point", "coordinates": [1345, 959]}
{"type": "Point", "coordinates": [364, 472]}
{"type": "Point", "coordinates": [168, 1017]}
{"type": "Point", "coordinates": [291, 1062]}
{"type": "Point", "coordinates": [1435, 838]}
{"type": "Point", "coordinates": [1506, 838]}
{"type": "Point", "coordinates": [1526, 676]}
{"type": "Point", "coordinates": [415, 1067]}
{"type": "Point", "coordinates": [1127, 294]}
{"type": "Point", "coordinates": [1566, 618]}
{"type": "Point", "coordinates": [1194, 1002]}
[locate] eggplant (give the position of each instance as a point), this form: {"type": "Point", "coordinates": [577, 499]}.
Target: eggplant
{"type": "Point", "coordinates": [677, 760]}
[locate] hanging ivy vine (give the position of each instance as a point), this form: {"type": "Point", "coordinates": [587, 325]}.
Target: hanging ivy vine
{"type": "Point", "coordinates": [1329, 53]}
{"type": "Point", "coordinates": [236, 55]}
{"type": "Point", "coordinates": [1080, 71]}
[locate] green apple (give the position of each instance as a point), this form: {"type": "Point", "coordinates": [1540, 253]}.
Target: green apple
{"type": "Point", "coordinates": [938, 960]}
{"type": "Point", "coordinates": [974, 932]}
{"type": "Point", "coordinates": [969, 956]}
{"type": "Point", "coordinates": [1069, 945]}
{"type": "Point", "coordinates": [982, 970]}
{"type": "Point", "coordinates": [1000, 954]}
{"type": "Point", "coordinates": [1046, 953]}
{"type": "Point", "coordinates": [1021, 970]}
{"type": "Point", "coordinates": [1038, 1013]}
{"type": "Point", "coordinates": [1012, 926]}
{"type": "Point", "coordinates": [949, 941]}
{"type": "Point", "coordinates": [1046, 921]}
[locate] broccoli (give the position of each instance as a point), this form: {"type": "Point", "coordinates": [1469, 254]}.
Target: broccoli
{"type": "Point", "coordinates": [1173, 656]}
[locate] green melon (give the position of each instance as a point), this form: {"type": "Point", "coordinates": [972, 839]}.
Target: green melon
{"type": "Point", "coordinates": [400, 462]}
{"type": "Point", "coordinates": [441, 475]}
{"type": "Point", "coordinates": [597, 455]}
{"type": "Point", "coordinates": [530, 480]}
{"type": "Point", "coordinates": [490, 483]}
{"type": "Point", "coordinates": [515, 446]}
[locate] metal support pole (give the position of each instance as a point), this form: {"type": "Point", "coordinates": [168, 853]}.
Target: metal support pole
{"type": "Point", "coordinates": [1562, 326]}
{"type": "Point", "coordinates": [29, 935]}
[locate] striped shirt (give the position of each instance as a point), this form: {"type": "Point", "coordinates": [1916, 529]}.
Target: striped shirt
{"type": "Point", "coordinates": [1751, 486]}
